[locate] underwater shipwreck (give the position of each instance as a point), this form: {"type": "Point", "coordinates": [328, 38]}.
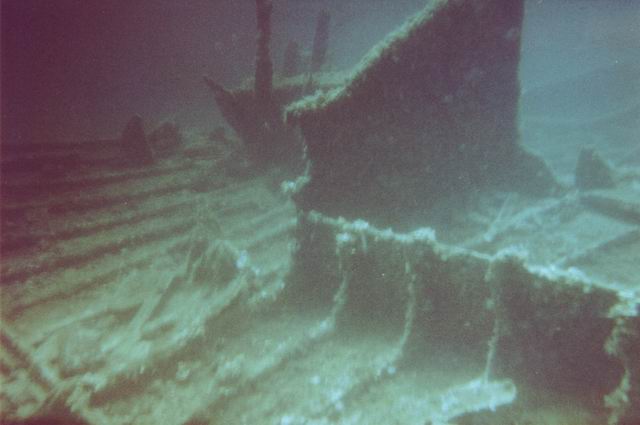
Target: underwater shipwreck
{"type": "Point", "coordinates": [378, 247]}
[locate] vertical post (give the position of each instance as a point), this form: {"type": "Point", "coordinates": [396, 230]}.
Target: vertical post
{"type": "Point", "coordinates": [291, 63]}
{"type": "Point", "coordinates": [264, 67]}
{"type": "Point", "coordinates": [320, 41]}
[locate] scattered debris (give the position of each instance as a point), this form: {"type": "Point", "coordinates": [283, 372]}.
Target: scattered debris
{"type": "Point", "coordinates": [135, 144]}
{"type": "Point", "coordinates": [165, 139]}
{"type": "Point", "coordinates": [592, 171]}
{"type": "Point", "coordinates": [624, 208]}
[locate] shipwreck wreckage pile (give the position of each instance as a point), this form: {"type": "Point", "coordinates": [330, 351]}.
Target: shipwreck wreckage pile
{"type": "Point", "coordinates": [176, 292]}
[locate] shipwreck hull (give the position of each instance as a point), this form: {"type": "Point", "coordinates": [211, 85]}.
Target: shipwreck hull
{"type": "Point", "coordinates": [369, 326]}
{"type": "Point", "coordinates": [187, 289]}
{"type": "Point", "coordinates": [550, 333]}
{"type": "Point", "coordinates": [430, 112]}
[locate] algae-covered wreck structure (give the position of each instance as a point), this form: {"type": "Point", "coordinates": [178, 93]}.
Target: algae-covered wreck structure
{"type": "Point", "coordinates": [420, 266]}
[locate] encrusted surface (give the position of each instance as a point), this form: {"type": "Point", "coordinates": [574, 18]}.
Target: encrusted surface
{"type": "Point", "coordinates": [430, 112]}
{"type": "Point", "coordinates": [191, 290]}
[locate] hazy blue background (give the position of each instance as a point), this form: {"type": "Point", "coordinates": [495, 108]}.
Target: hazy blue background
{"type": "Point", "coordinates": [78, 69]}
